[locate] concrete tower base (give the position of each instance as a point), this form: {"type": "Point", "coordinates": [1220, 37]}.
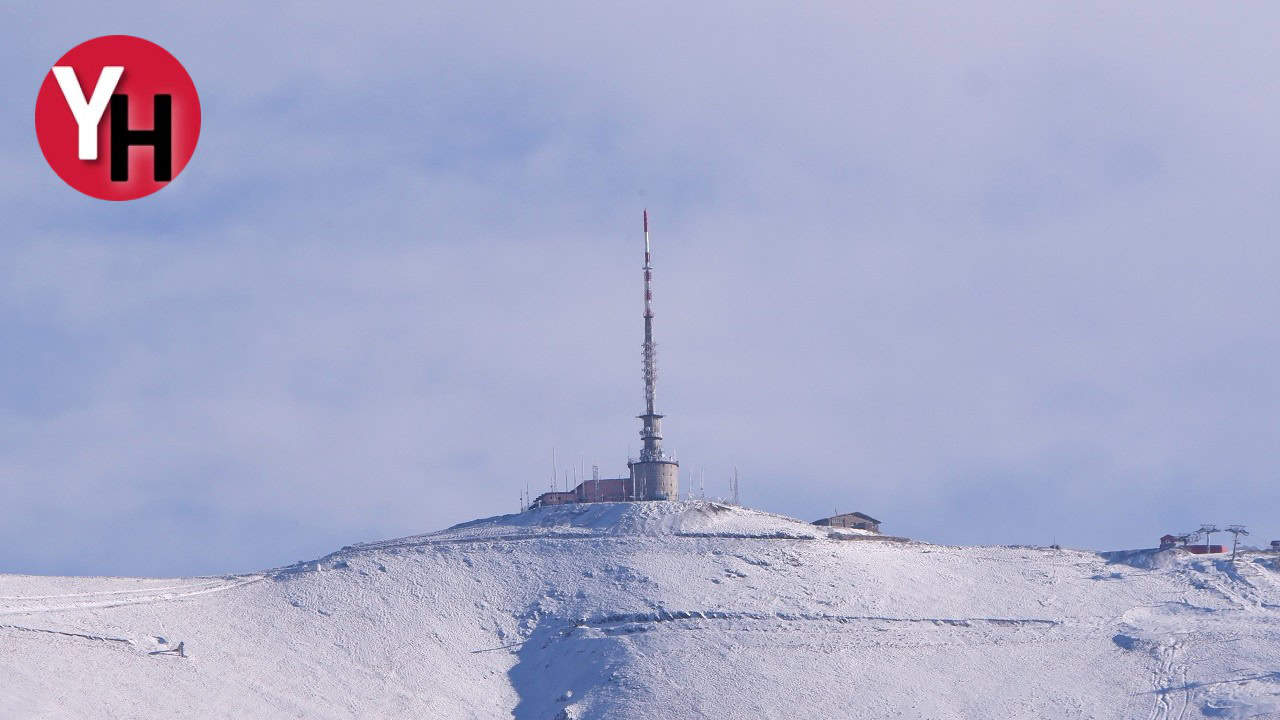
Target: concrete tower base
{"type": "Point", "coordinates": [656, 479]}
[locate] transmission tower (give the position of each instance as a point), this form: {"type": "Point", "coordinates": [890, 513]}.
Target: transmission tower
{"type": "Point", "coordinates": [656, 475]}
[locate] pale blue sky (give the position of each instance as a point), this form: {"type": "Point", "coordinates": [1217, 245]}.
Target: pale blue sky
{"type": "Point", "coordinates": [1004, 275]}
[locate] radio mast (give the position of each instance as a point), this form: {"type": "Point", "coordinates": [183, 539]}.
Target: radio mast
{"type": "Point", "coordinates": [650, 350]}
{"type": "Point", "coordinates": [655, 476]}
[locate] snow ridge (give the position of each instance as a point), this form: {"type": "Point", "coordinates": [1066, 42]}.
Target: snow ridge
{"type": "Point", "coordinates": [624, 610]}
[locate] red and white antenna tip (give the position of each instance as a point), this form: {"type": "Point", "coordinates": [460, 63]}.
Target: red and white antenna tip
{"type": "Point", "coordinates": [646, 219]}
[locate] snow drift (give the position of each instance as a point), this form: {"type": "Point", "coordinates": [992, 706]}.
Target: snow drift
{"type": "Point", "coordinates": [622, 610]}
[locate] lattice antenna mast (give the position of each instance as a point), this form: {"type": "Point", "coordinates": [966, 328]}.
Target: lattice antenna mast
{"type": "Point", "coordinates": [650, 352]}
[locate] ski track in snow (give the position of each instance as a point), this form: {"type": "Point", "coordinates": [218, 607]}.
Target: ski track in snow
{"type": "Point", "coordinates": [669, 616]}
{"type": "Point", "coordinates": [14, 604]}
{"type": "Point", "coordinates": [84, 636]}
{"type": "Point", "coordinates": [621, 610]}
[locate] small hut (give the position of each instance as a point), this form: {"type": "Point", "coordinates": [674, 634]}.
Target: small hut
{"type": "Point", "coordinates": [855, 520]}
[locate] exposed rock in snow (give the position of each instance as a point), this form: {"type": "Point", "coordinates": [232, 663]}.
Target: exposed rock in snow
{"type": "Point", "coordinates": [655, 609]}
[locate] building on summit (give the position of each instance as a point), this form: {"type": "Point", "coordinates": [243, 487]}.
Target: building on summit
{"type": "Point", "coordinates": [855, 520]}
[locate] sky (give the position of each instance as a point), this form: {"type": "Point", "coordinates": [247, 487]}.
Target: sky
{"type": "Point", "coordinates": [999, 273]}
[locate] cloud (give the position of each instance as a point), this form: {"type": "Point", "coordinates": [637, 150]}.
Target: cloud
{"type": "Point", "coordinates": [999, 275]}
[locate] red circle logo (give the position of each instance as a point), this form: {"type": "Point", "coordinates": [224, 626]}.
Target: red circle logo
{"type": "Point", "coordinates": [117, 117]}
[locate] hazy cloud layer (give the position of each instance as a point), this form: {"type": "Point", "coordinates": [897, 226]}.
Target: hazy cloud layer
{"type": "Point", "coordinates": [1004, 275]}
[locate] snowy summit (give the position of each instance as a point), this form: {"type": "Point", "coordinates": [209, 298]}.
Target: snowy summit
{"type": "Point", "coordinates": [611, 610]}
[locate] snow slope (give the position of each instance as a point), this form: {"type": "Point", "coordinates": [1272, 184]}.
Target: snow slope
{"type": "Point", "coordinates": [646, 610]}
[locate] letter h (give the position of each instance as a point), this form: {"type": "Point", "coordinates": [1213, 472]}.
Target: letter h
{"type": "Point", "coordinates": [159, 137]}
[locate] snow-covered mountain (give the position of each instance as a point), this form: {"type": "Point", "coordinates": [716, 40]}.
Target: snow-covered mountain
{"type": "Point", "coordinates": [671, 610]}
